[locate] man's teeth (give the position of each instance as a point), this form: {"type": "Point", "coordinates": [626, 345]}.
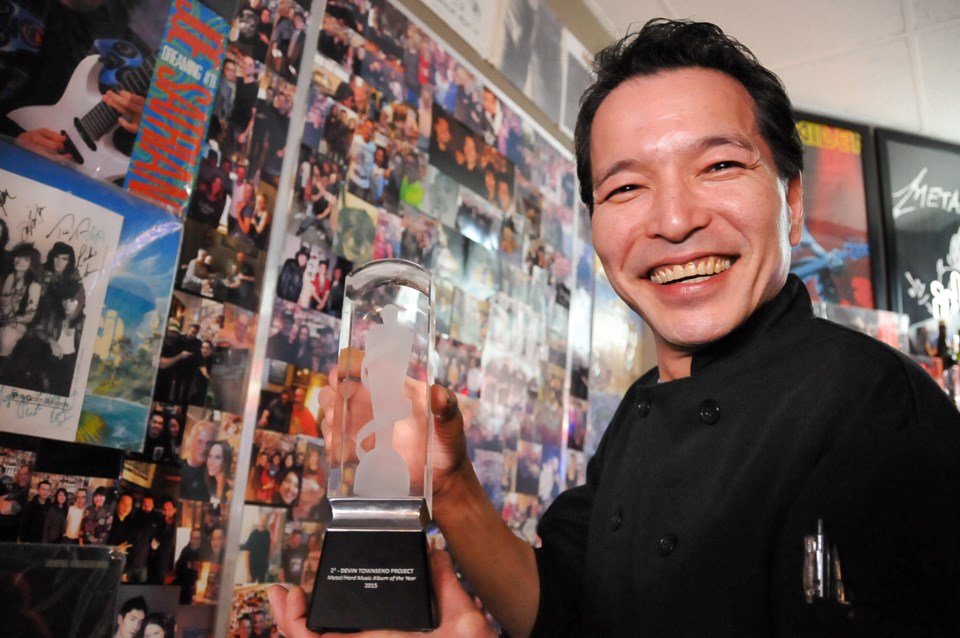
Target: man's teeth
{"type": "Point", "coordinates": [708, 266]}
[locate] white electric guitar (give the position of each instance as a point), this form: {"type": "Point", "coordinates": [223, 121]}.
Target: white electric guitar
{"type": "Point", "coordinates": [87, 121]}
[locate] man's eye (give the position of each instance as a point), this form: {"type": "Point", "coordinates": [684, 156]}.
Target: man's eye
{"type": "Point", "coordinates": [619, 191]}
{"type": "Point", "coordinates": [727, 164]}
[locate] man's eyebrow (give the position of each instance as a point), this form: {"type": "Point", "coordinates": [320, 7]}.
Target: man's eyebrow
{"type": "Point", "coordinates": [613, 169]}
{"type": "Point", "coordinates": [713, 141]}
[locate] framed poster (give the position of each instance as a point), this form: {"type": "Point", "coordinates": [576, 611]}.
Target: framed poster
{"type": "Point", "coordinates": [97, 268]}
{"type": "Point", "coordinates": [920, 191]}
{"type": "Point", "coordinates": [840, 256]}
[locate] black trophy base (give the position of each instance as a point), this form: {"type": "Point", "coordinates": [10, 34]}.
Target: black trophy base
{"type": "Point", "coordinates": [373, 579]}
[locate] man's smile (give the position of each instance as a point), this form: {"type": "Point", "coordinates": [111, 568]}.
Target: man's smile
{"type": "Point", "coordinates": [712, 265]}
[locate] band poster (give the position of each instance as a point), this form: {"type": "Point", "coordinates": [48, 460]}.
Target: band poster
{"type": "Point", "coordinates": [833, 257]}
{"type": "Point", "coordinates": [55, 255]}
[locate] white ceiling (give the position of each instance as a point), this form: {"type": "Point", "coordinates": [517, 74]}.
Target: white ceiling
{"type": "Point", "coordinates": [889, 63]}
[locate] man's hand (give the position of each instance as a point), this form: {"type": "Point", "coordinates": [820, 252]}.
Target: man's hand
{"type": "Point", "coordinates": [450, 443]}
{"type": "Point", "coordinates": [459, 616]}
{"type": "Point", "coordinates": [45, 142]}
{"type": "Point", "coordinates": [129, 105]}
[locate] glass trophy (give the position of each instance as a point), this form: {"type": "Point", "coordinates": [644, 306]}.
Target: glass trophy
{"type": "Point", "coordinates": [373, 571]}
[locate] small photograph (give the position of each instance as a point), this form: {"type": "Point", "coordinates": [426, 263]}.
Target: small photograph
{"type": "Point", "coordinates": [521, 513]}
{"type": "Point", "coordinates": [187, 352]}
{"type": "Point", "coordinates": [529, 466]}
{"type": "Point", "coordinates": [488, 465]}
{"type": "Point", "coordinates": [459, 368]}
{"type": "Point", "coordinates": [484, 432]}
{"type": "Point", "coordinates": [386, 241]}
{"type": "Point", "coordinates": [164, 433]}
{"type": "Point", "coordinates": [481, 276]}
{"type": "Point", "coordinates": [313, 486]}
{"type": "Point", "coordinates": [251, 29]}
{"type": "Point", "coordinates": [303, 338]}
{"type": "Point", "coordinates": [208, 459]}
{"type": "Point", "coordinates": [479, 220]}
{"type": "Point", "coordinates": [199, 565]}
{"type": "Point", "coordinates": [293, 554]}
{"type": "Point", "coordinates": [231, 270]}
{"type": "Point", "coordinates": [16, 466]}
{"type": "Point", "coordinates": [250, 614]}
{"type": "Point", "coordinates": [551, 478]}
{"type": "Point", "coordinates": [261, 534]}
{"type": "Point", "coordinates": [444, 293]}
{"type": "Point", "coordinates": [313, 537]}
{"type": "Point", "coordinates": [446, 140]}
{"type": "Point", "coordinates": [152, 608]}
{"type": "Point", "coordinates": [319, 104]}
{"type": "Point", "coordinates": [338, 30]}
{"type": "Point", "coordinates": [441, 196]}
{"type": "Point", "coordinates": [273, 459]}
{"type": "Point", "coordinates": [238, 329]}
{"type": "Point", "coordinates": [447, 255]}
{"type": "Point", "coordinates": [316, 210]}
{"type": "Point", "coordinates": [304, 274]}
{"type": "Point", "coordinates": [469, 318]}
{"type": "Point", "coordinates": [509, 476]}
{"type": "Point", "coordinates": [420, 234]}
{"type": "Point", "coordinates": [196, 621]}
{"type": "Point", "coordinates": [287, 40]}
{"type": "Point", "coordinates": [575, 472]}
{"type": "Point", "coordinates": [356, 229]}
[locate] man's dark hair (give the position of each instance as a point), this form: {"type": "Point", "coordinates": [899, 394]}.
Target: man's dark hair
{"type": "Point", "coordinates": [137, 602]}
{"type": "Point", "coordinates": [664, 45]}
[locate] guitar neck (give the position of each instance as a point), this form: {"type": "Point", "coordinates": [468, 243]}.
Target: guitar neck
{"type": "Point", "coordinates": [102, 117]}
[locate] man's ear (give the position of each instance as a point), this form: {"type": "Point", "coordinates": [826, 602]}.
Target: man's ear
{"type": "Point", "coordinates": [794, 199]}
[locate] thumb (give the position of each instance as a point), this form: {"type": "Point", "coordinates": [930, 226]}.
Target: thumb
{"type": "Point", "coordinates": [446, 412]}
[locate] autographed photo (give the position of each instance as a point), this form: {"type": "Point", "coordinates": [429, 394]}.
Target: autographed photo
{"type": "Point", "coordinates": [55, 256]}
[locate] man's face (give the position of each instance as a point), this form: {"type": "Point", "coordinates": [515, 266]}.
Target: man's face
{"type": "Point", "coordinates": [195, 539]}
{"type": "Point", "coordinates": [216, 540]}
{"type": "Point", "coordinates": [156, 426]}
{"type": "Point", "coordinates": [193, 330]}
{"type": "Point", "coordinates": [230, 71]}
{"type": "Point", "coordinates": [258, 623]}
{"type": "Point", "coordinates": [169, 510]}
{"type": "Point", "coordinates": [295, 540]}
{"type": "Point", "coordinates": [244, 628]}
{"type": "Point", "coordinates": [124, 505]}
{"type": "Point", "coordinates": [686, 186]}
{"type": "Point", "coordinates": [43, 490]}
{"type": "Point", "coordinates": [148, 504]}
{"type": "Point", "coordinates": [198, 449]}
{"type": "Point", "coordinates": [81, 498]}
{"type": "Point", "coordinates": [23, 476]}
{"type": "Point", "coordinates": [129, 625]}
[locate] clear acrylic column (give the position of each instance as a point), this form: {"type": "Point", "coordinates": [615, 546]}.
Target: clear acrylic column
{"type": "Point", "coordinates": [374, 569]}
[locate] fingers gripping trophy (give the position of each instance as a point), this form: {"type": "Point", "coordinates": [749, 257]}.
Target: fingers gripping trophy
{"type": "Point", "coordinates": [373, 567]}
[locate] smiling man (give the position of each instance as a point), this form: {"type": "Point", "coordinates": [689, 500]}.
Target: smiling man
{"type": "Point", "coordinates": [774, 474]}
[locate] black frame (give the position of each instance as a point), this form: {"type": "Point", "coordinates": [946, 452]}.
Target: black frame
{"type": "Point", "coordinates": [892, 159]}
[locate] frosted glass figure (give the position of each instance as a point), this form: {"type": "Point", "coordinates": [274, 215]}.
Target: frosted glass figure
{"type": "Point", "coordinates": [382, 471]}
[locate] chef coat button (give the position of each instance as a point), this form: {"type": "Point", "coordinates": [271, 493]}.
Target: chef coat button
{"type": "Point", "coordinates": [643, 406]}
{"type": "Point", "coordinates": [668, 542]}
{"type": "Point", "coordinates": [616, 519]}
{"type": "Point", "coordinates": [710, 411]}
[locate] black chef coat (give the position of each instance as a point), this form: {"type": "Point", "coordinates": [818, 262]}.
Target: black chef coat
{"type": "Point", "coordinates": [701, 491]}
